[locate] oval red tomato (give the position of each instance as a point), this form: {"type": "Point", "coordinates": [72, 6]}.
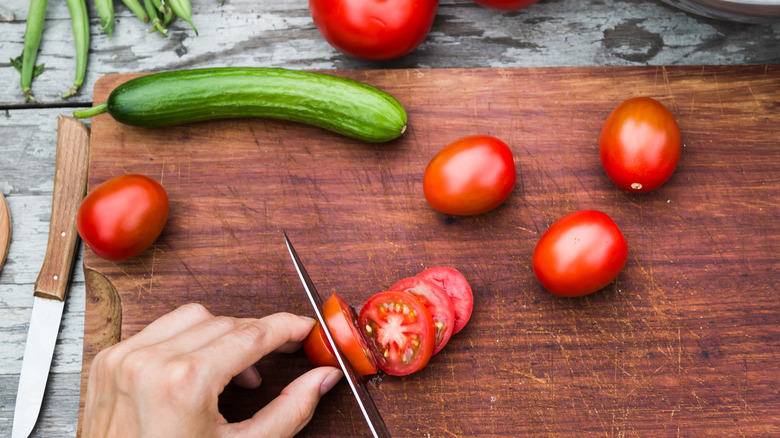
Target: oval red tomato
{"type": "Point", "coordinates": [123, 216]}
{"type": "Point", "coordinates": [458, 289]}
{"type": "Point", "coordinates": [506, 5]}
{"type": "Point", "coordinates": [436, 300]}
{"type": "Point", "coordinates": [470, 176]}
{"type": "Point", "coordinates": [580, 253]}
{"type": "Point", "coordinates": [318, 349]}
{"type": "Point", "coordinates": [342, 323]}
{"type": "Point", "coordinates": [640, 144]}
{"type": "Point", "coordinates": [374, 29]}
{"type": "Point", "coordinates": [400, 332]}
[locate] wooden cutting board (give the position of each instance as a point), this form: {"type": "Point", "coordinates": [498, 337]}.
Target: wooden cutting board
{"type": "Point", "coordinates": [684, 343]}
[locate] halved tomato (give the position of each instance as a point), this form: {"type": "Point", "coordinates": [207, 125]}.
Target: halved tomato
{"type": "Point", "coordinates": [436, 300]}
{"type": "Point", "coordinates": [400, 332]}
{"type": "Point", "coordinates": [459, 290]}
{"type": "Point", "coordinates": [317, 348]}
{"type": "Point", "coordinates": [342, 322]}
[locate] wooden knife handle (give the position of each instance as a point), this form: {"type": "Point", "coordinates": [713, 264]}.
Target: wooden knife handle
{"type": "Point", "coordinates": [70, 184]}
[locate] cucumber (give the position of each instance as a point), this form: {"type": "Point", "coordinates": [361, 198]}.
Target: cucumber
{"type": "Point", "coordinates": [345, 106]}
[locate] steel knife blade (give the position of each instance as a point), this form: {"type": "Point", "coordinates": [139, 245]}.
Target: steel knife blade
{"type": "Point", "coordinates": [70, 182]}
{"type": "Point", "coordinates": [356, 383]}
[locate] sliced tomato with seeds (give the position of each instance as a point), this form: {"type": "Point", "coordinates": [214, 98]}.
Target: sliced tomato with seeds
{"type": "Point", "coordinates": [342, 322]}
{"type": "Point", "coordinates": [400, 332]}
{"type": "Point", "coordinates": [457, 287]}
{"type": "Point", "coordinates": [438, 303]}
{"type": "Point", "coordinates": [318, 349]}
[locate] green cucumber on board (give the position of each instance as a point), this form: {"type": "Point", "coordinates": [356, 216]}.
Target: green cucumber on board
{"type": "Point", "coordinates": [348, 107]}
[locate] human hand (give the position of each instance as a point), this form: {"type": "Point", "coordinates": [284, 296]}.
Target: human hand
{"type": "Point", "coordinates": [165, 380]}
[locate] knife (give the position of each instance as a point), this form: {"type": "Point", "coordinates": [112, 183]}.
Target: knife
{"type": "Point", "coordinates": [359, 389]}
{"type": "Point", "coordinates": [70, 183]}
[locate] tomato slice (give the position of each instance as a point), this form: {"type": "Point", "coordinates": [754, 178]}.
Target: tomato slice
{"type": "Point", "coordinates": [436, 300]}
{"type": "Point", "coordinates": [317, 348]}
{"type": "Point", "coordinates": [400, 332]}
{"type": "Point", "coordinates": [341, 320]}
{"type": "Point", "coordinates": [459, 290]}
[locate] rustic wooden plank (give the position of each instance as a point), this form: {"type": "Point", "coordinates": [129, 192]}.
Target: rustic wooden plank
{"type": "Point", "coordinates": [673, 347]}
{"type": "Point", "coordinates": [281, 34]}
{"type": "Point", "coordinates": [59, 410]}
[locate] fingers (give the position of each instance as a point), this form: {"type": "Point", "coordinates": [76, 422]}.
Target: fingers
{"type": "Point", "coordinates": [169, 325]}
{"type": "Point", "coordinates": [248, 379]}
{"type": "Point", "coordinates": [251, 339]}
{"type": "Point", "coordinates": [287, 414]}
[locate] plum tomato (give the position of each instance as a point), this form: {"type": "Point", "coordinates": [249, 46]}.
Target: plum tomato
{"type": "Point", "coordinates": [400, 332]}
{"type": "Point", "coordinates": [436, 300]}
{"type": "Point", "coordinates": [342, 323]}
{"type": "Point", "coordinates": [123, 216]}
{"type": "Point", "coordinates": [376, 30]}
{"type": "Point", "coordinates": [579, 254]}
{"type": "Point", "coordinates": [470, 176]}
{"type": "Point", "coordinates": [318, 349]}
{"type": "Point", "coordinates": [640, 144]}
{"type": "Point", "coordinates": [506, 5]}
{"type": "Point", "coordinates": [457, 287]}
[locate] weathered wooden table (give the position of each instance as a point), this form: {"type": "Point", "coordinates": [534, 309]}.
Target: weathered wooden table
{"type": "Point", "coordinates": [281, 33]}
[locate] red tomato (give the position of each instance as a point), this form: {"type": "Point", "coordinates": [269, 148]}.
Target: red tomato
{"type": "Point", "coordinates": [470, 176]}
{"type": "Point", "coordinates": [640, 144]}
{"type": "Point", "coordinates": [436, 300]}
{"type": "Point", "coordinates": [459, 290]}
{"type": "Point", "coordinates": [579, 254]}
{"type": "Point", "coordinates": [123, 216]}
{"type": "Point", "coordinates": [400, 332]}
{"type": "Point", "coordinates": [506, 5]}
{"type": "Point", "coordinates": [318, 349]}
{"type": "Point", "coordinates": [342, 323]}
{"type": "Point", "coordinates": [374, 29]}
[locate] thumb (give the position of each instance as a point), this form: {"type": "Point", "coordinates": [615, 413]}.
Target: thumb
{"type": "Point", "coordinates": [288, 413]}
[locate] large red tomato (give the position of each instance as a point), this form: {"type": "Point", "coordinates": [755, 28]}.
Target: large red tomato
{"type": "Point", "coordinates": [579, 254]}
{"type": "Point", "coordinates": [506, 5]}
{"type": "Point", "coordinates": [123, 216]}
{"type": "Point", "coordinates": [318, 349]}
{"type": "Point", "coordinates": [470, 176]}
{"type": "Point", "coordinates": [374, 29]}
{"type": "Point", "coordinates": [640, 144]}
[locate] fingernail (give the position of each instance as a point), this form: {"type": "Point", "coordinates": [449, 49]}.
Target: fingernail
{"type": "Point", "coordinates": [306, 318]}
{"type": "Point", "coordinates": [330, 381]}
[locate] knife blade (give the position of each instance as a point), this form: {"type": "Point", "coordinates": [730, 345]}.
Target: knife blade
{"type": "Point", "coordinates": [356, 383]}
{"type": "Point", "coordinates": [70, 183]}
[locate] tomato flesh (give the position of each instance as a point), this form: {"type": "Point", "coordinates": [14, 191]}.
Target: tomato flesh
{"type": "Point", "coordinates": [640, 144]}
{"type": "Point", "coordinates": [436, 300]}
{"type": "Point", "coordinates": [457, 287]}
{"type": "Point", "coordinates": [342, 323]}
{"type": "Point", "coordinates": [472, 175]}
{"type": "Point", "coordinates": [123, 216]}
{"type": "Point", "coordinates": [400, 332]}
{"type": "Point", "coordinates": [579, 254]}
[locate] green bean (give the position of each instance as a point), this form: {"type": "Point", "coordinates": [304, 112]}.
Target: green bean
{"type": "Point", "coordinates": [32, 39]}
{"type": "Point", "coordinates": [165, 10]}
{"type": "Point", "coordinates": [105, 10]}
{"type": "Point", "coordinates": [137, 9]}
{"type": "Point", "coordinates": [80, 21]}
{"type": "Point", "coordinates": [183, 10]}
{"type": "Point", "coordinates": [155, 16]}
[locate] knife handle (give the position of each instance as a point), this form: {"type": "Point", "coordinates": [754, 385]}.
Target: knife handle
{"type": "Point", "coordinates": [70, 184]}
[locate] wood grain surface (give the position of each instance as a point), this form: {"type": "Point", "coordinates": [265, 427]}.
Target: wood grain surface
{"type": "Point", "coordinates": [5, 230]}
{"type": "Point", "coordinates": [683, 343]}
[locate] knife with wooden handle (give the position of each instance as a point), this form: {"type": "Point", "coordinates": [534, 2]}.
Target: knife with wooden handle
{"type": "Point", "coordinates": [70, 183]}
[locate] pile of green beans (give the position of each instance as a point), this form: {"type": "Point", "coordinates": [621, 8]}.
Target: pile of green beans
{"type": "Point", "coordinates": [159, 12]}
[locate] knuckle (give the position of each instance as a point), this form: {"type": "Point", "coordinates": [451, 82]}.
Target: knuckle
{"type": "Point", "coordinates": [130, 368]}
{"type": "Point", "coordinates": [181, 372]}
{"type": "Point", "coordinates": [196, 309]}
